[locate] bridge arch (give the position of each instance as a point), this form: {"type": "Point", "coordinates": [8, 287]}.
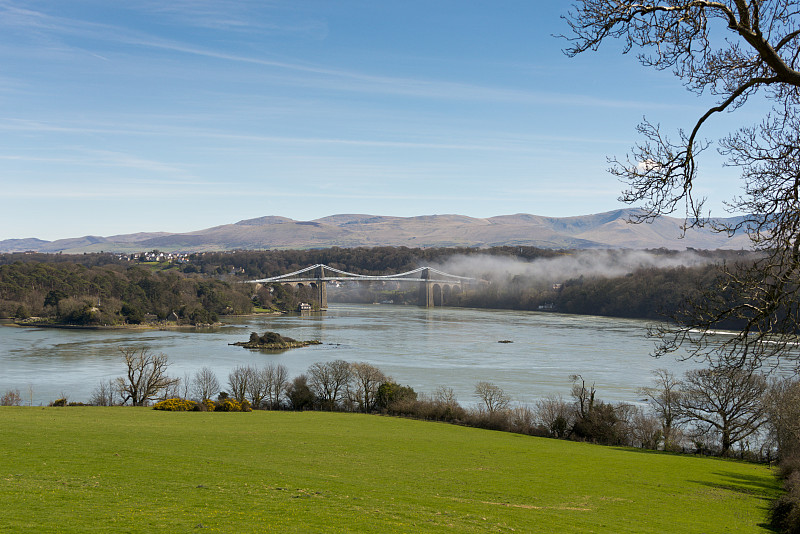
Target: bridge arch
{"type": "Point", "coordinates": [438, 295]}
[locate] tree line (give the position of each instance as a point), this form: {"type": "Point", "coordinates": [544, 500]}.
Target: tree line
{"type": "Point", "coordinates": [102, 289]}
{"type": "Point", "coordinates": [113, 294]}
{"type": "Point", "coordinates": [710, 410]}
{"type": "Point", "coordinates": [205, 287]}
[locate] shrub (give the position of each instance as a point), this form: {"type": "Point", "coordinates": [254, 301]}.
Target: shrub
{"type": "Point", "coordinates": [555, 416]}
{"type": "Point", "coordinates": [176, 405]}
{"type": "Point", "coordinates": [601, 424]}
{"type": "Point", "coordinates": [11, 398]}
{"type": "Point", "coordinates": [299, 394]}
{"type": "Point", "coordinates": [523, 421]}
{"type": "Point", "coordinates": [786, 510]}
{"type": "Point", "coordinates": [494, 420]}
{"type": "Point", "coordinates": [228, 405]}
{"type": "Point", "coordinates": [59, 402]}
{"type": "Point", "coordinates": [390, 393]}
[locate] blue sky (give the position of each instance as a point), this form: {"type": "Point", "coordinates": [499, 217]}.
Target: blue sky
{"type": "Point", "coordinates": [146, 115]}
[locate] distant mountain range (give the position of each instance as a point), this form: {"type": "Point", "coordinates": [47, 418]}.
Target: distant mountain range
{"type": "Point", "coordinates": [602, 230]}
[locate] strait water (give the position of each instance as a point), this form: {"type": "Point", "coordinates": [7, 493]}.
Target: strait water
{"type": "Point", "coordinates": [422, 348]}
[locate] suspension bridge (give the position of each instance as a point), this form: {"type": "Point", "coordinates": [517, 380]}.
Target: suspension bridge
{"type": "Point", "coordinates": [435, 285]}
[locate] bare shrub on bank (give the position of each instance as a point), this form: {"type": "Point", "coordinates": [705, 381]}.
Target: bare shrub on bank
{"type": "Point", "coordinates": [645, 431]}
{"type": "Point", "coordinates": [492, 396]}
{"type": "Point", "coordinates": [782, 405]}
{"type": "Point", "coordinates": [104, 393]}
{"type": "Point", "coordinates": [11, 398]}
{"type": "Point", "coordinates": [664, 400]}
{"type": "Point", "coordinates": [555, 415]}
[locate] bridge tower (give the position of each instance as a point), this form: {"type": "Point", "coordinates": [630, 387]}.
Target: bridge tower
{"type": "Point", "coordinates": [426, 290]}
{"type": "Point", "coordinates": [322, 288]}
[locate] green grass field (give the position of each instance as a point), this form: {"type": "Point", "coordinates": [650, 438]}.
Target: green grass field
{"type": "Point", "coordinates": [139, 470]}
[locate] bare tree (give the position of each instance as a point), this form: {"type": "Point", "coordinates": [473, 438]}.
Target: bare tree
{"type": "Point", "coordinates": [280, 380]}
{"type": "Point", "coordinates": [11, 398]}
{"type": "Point", "coordinates": [782, 404]}
{"type": "Point", "coordinates": [523, 419]}
{"type": "Point", "coordinates": [363, 390]}
{"type": "Point", "coordinates": [205, 384]}
{"type": "Point", "coordinates": [645, 430]}
{"type": "Point", "coordinates": [556, 415]}
{"type": "Point", "coordinates": [328, 380]}
{"type": "Point", "coordinates": [734, 50]}
{"type": "Point", "coordinates": [103, 394]}
{"type": "Point", "coordinates": [725, 401]}
{"type": "Point", "coordinates": [445, 396]}
{"type": "Point", "coordinates": [146, 375]}
{"type": "Point", "coordinates": [238, 381]}
{"type": "Point", "coordinates": [275, 378]}
{"type": "Point", "coordinates": [257, 386]}
{"type": "Point", "coordinates": [186, 385]}
{"type": "Point", "coordinates": [492, 396]}
{"type": "Point", "coordinates": [584, 396]}
{"type": "Point", "coordinates": [172, 391]}
{"type": "Point", "coordinates": [664, 399]}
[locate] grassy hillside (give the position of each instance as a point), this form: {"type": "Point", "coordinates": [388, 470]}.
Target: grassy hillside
{"type": "Point", "coordinates": [139, 470]}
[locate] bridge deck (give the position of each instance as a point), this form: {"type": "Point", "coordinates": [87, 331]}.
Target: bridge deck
{"type": "Point", "coordinates": [359, 279]}
{"type": "Point", "coordinates": [344, 275]}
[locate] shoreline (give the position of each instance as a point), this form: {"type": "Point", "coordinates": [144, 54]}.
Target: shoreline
{"type": "Point", "coordinates": [146, 326]}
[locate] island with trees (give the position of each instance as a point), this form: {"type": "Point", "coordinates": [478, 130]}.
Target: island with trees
{"type": "Point", "coordinates": [273, 341]}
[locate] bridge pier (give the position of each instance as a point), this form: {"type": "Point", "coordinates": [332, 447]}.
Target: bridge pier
{"type": "Point", "coordinates": [426, 290]}
{"type": "Point", "coordinates": [322, 288]}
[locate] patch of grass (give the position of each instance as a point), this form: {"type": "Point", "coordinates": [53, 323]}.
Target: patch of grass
{"type": "Point", "coordinates": [140, 470]}
{"type": "Point", "coordinates": [259, 309]}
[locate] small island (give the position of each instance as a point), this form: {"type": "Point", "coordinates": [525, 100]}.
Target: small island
{"type": "Point", "coordinates": [273, 341]}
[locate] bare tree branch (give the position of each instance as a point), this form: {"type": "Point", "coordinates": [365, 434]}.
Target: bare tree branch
{"type": "Point", "coordinates": [758, 55]}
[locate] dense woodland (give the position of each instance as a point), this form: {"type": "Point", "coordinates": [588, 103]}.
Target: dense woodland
{"type": "Point", "coordinates": [110, 289]}
{"type": "Point", "coordinates": [66, 292]}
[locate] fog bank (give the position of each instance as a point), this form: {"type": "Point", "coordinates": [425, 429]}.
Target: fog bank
{"type": "Point", "coordinates": [596, 263]}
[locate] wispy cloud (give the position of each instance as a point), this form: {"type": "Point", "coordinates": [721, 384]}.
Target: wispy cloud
{"type": "Point", "coordinates": [523, 144]}
{"type": "Point", "coordinates": [50, 27]}
{"type": "Point", "coordinates": [242, 15]}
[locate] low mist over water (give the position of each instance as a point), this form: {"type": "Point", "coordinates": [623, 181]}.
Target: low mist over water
{"type": "Point", "coordinates": [573, 264]}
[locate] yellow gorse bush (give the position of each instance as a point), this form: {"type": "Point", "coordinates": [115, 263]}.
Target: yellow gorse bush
{"type": "Point", "coordinates": [185, 405]}
{"type": "Point", "coordinates": [176, 405]}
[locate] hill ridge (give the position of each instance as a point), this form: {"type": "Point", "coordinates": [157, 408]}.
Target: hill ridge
{"type": "Point", "coordinates": [600, 230]}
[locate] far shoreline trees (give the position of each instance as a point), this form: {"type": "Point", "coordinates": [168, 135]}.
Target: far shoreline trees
{"type": "Point", "coordinates": [63, 290]}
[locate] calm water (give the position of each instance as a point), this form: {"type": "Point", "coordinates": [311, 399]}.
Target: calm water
{"type": "Point", "coordinates": [423, 348]}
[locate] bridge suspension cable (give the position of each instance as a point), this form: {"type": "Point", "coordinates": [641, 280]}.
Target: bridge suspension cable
{"type": "Point", "coordinates": [344, 275]}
